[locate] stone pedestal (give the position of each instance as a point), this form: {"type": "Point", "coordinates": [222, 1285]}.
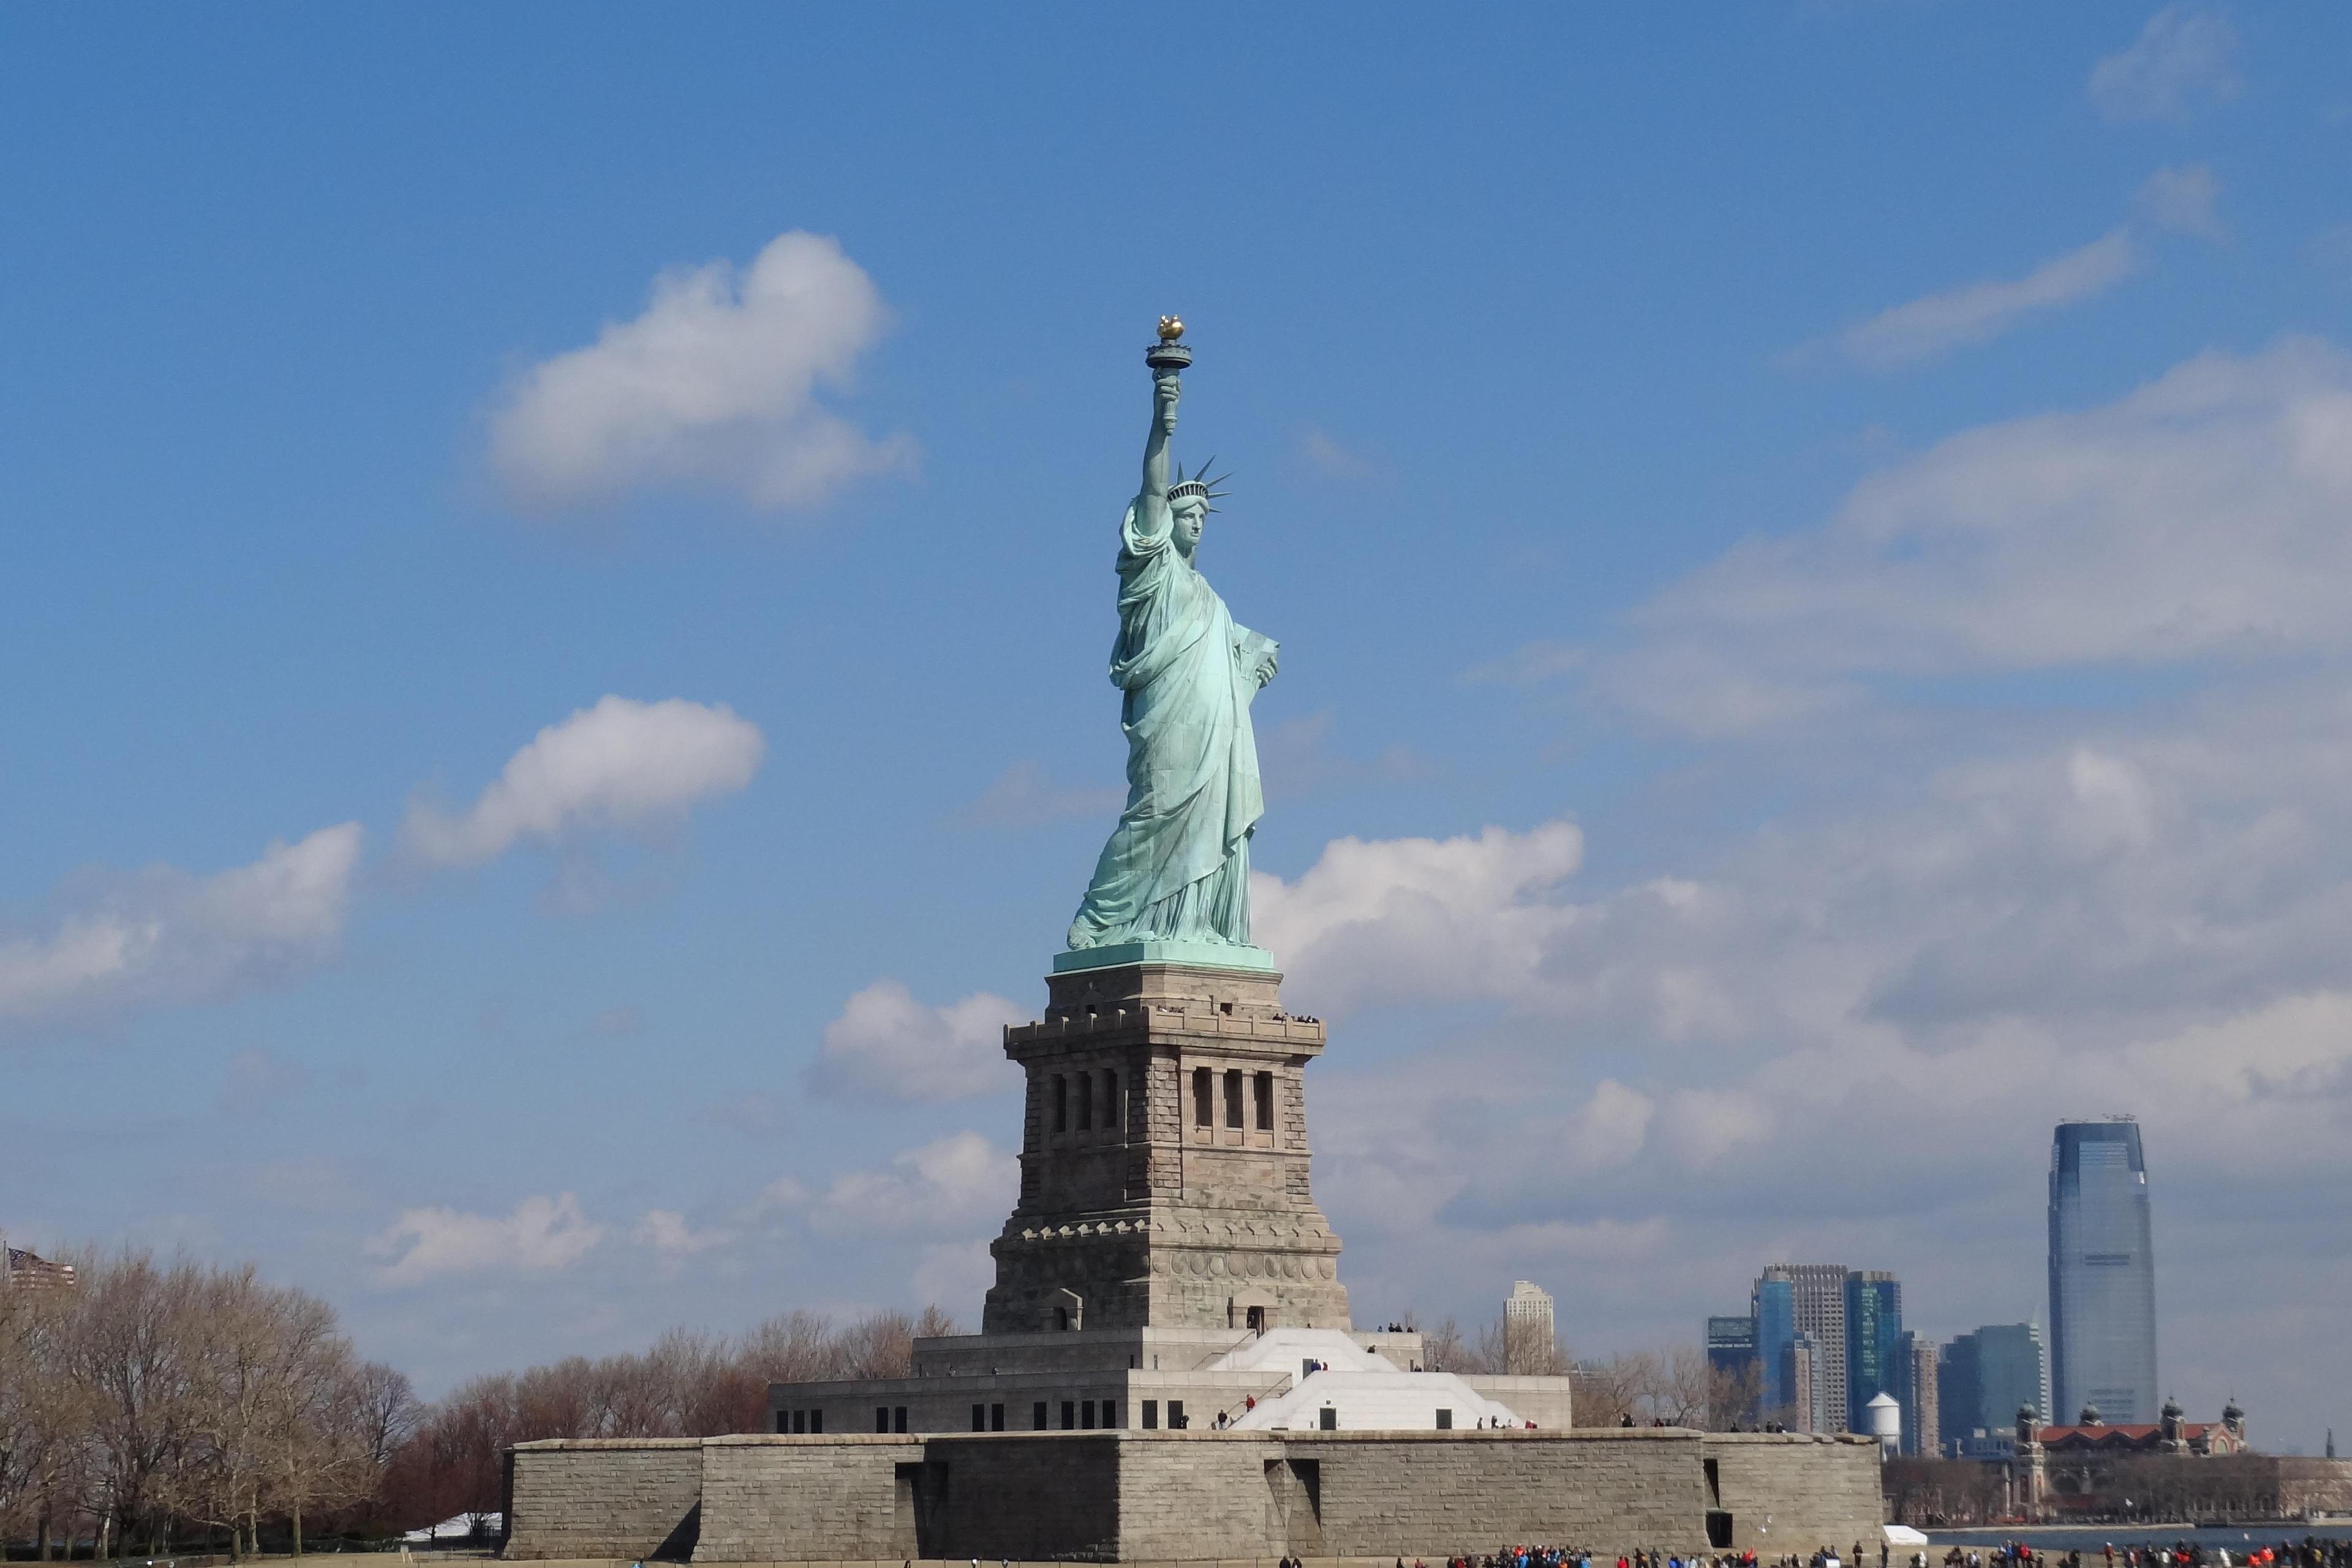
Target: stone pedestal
{"type": "Point", "coordinates": [1163, 1159]}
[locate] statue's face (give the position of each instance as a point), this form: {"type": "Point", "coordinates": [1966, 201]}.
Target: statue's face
{"type": "Point", "coordinates": [1190, 513]}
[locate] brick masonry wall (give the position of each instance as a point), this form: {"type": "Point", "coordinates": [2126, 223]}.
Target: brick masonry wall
{"type": "Point", "coordinates": [604, 1498]}
{"type": "Point", "coordinates": [802, 1499]}
{"type": "Point", "coordinates": [1792, 1492]}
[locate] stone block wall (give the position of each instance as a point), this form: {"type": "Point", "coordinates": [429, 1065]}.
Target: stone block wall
{"type": "Point", "coordinates": [1027, 1496]}
{"type": "Point", "coordinates": [599, 1498]}
{"type": "Point", "coordinates": [2325, 1485]}
{"type": "Point", "coordinates": [1794, 1492]}
{"type": "Point", "coordinates": [1198, 1495]}
{"type": "Point", "coordinates": [799, 1499]}
{"type": "Point", "coordinates": [1431, 1494]}
{"type": "Point", "coordinates": [1172, 1497]}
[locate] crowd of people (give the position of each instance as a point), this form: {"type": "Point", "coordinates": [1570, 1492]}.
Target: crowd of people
{"type": "Point", "coordinates": [1574, 1557]}
{"type": "Point", "coordinates": [2311, 1552]}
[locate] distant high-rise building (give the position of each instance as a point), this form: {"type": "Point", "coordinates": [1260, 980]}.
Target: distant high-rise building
{"type": "Point", "coordinates": [1982, 1377]}
{"type": "Point", "coordinates": [1773, 1308]}
{"type": "Point", "coordinates": [1817, 1308]}
{"type": "Point", "coordinates": [1873, 1334]}
{"type": "Point", "coordinates": [1917, 1388]}
{"type": "Point", "coordinates": [2102, 1274]}
{"type": "Point", "coordinates": [1809, 1384]}
{"type": "Point", "coordinates": [1530, 1345]}
{"type": "Point", "coordinates": [1738, 1391]}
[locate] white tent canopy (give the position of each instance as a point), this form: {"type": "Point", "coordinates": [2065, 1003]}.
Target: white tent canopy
{"type": "Point", "coordinates": [1903, 1535]}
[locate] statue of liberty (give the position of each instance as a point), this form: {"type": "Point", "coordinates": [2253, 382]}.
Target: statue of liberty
{"type": "Point", "coordinates": [1177, 866]}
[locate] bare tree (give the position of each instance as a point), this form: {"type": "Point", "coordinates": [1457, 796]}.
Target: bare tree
{"type": "Point", "coordinates": [388, 1409]}
{"type": "Point", "coordinates": [43, 1415]}
{"type": "Point", "coordinates": [1678, 1392]}
{"type": "Point", "coordinates": [1610, 1392]}
{"type": "Point", "coordinates": [1925, 1491]}
{"type": "Point", "coordinates": [1441, 1349]}
{"type": "Point", "coordinates": [880, 1344]}
{"type": "Point", "coordinates": [1734, 1398]}
{"type": "Point", "coordinates": [795, 1347]}
{"type": "Point", "coordinates": [132, 1355]}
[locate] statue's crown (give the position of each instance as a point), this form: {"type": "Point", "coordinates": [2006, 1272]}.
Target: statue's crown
{"type": "Point", "coordinates": [1199, 484]}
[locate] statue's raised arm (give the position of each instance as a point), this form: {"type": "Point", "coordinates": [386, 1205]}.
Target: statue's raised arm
{"type": "Point", "coordinates": [1151, 501]}
{"type": "Point", "coordinates": [1176, 870]}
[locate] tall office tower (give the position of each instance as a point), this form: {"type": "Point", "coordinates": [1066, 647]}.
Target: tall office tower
{"type": "Point", "coordinates": [2102, 1274]}
{"type": "Point", "coordinates": [1809, 1384]}
{"type": "Point", "coordinates": [1982, 1377]}
{"type": "Point", "coordinates": [1817, 1301]}
{"type": "Point", "coordinates": [1916, 1389]}
{"type": "Point", "coordinates": [1773, 1308]}
{"type": "Point", "coordinates": [1529, 1347]}
{"type": "Point", "coordinates": [1736, 1394]}
{"type": "Point", "coordinates": [1874, 1332]}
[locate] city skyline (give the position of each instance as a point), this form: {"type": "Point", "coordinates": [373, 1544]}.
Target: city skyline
{"type": "Point", "coordinates": [556, 642]}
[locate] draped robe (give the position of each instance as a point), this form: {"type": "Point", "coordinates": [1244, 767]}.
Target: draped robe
{"type": "Point", "coordinates": [1177, 866]}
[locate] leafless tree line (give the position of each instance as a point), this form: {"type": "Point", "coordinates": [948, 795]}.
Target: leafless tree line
{"type": "Point", "coordinates": [163, 1401]}
{"type": "Point", "coordinates": [689, 1384]}
{"type": "Point", "coordinates": [2161, 1487]}
{"type": "Point", "coordinates": [1922, 1491]}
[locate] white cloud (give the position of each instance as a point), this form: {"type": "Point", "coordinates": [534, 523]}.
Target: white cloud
{"type": "Point", "coordinates": [543, 1236]}
{"type": "Point", "coordinates": [1024, 796]}
{"type": "Point", "coordinates": [713, 388]}
{"type": "Point", "coordinates": [2184, 59]}
{"type": "Point", "coordinates": [1379, 919]}
{"type": "Point", "coordinates": [2184, 200]}
{"type": "Point", "coordinates": [2201, 516]}
{"type": "Point", "coordinates": [1980, 311]}
{"type": "Point", "coordinates": [945, 1189]}
{"type": "Point", "coordinates": [621, 764]}
{"type": "Point", "coordinates": [162, 936]}
{"type": "Point", "coordinates": [667, 1233]}
{"type": "Point", "coordinates": [885, 1047]}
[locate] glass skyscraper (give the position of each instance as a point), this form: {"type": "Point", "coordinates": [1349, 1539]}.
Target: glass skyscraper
{"type": "Point", "coordinates": [2102, 1275]}
{"type": "Point", "coordinates": [1773, 1307]}
{"type": "Point", "coordinates": [1738, 1384]}
{"type": "Point", "coordinates": [1874, 1336]}
{"type": "Point", "coordinates": [1982, 1377]}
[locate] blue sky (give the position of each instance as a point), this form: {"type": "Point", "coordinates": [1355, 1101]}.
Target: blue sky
{"type": "Point", "coordinates": [1808, 543]}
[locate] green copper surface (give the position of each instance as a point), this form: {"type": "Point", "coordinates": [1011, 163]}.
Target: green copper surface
{"type": "Point", "coordinates": [1200, 955]}
{"type": "Point", "coordinates": [1177, 866]}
